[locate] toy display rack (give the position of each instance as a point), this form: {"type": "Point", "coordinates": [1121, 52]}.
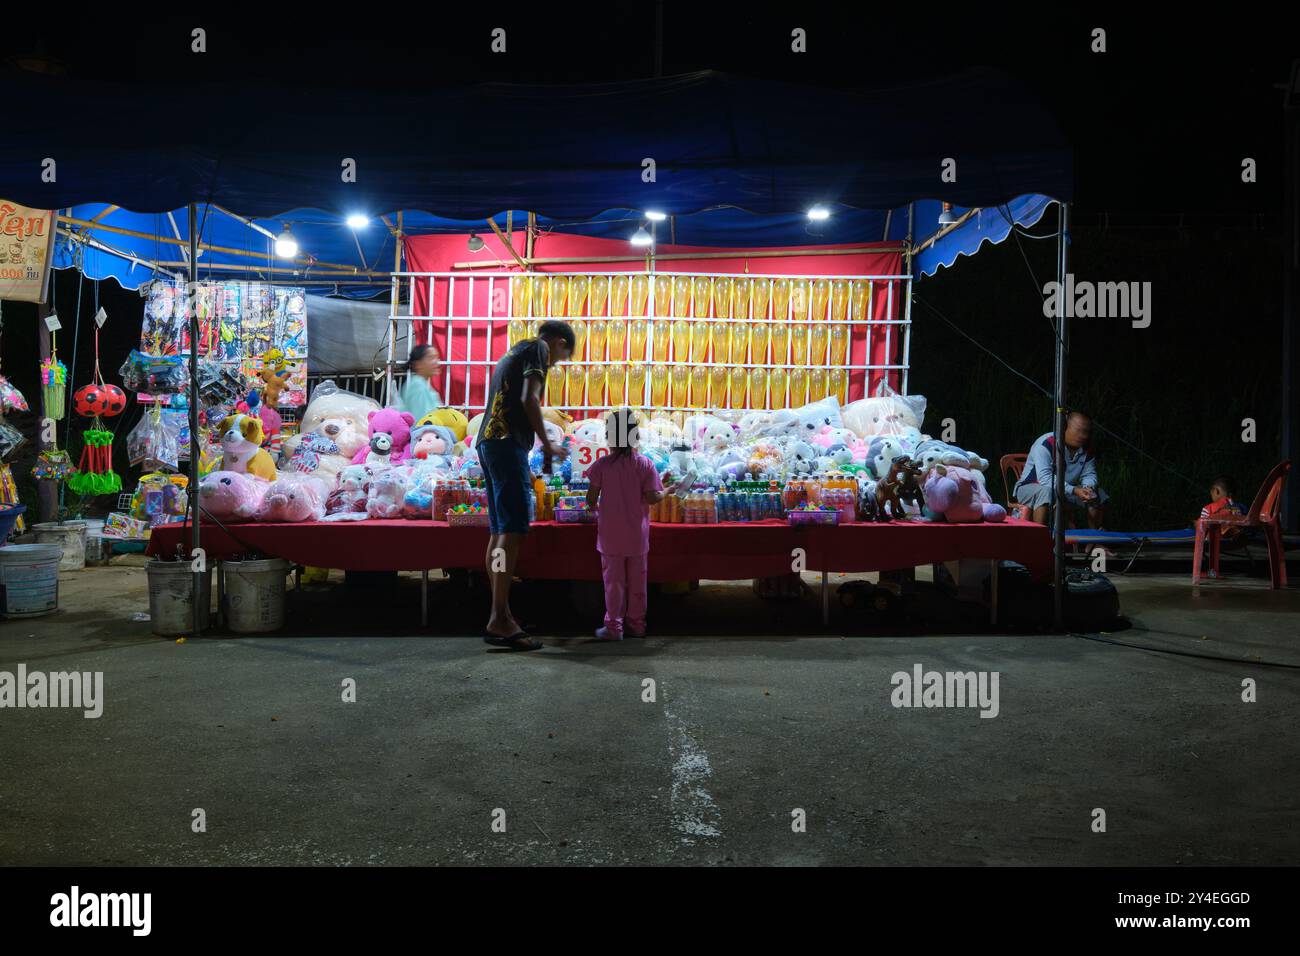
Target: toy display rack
{"type": "Point", "coordinates": [507, 291]}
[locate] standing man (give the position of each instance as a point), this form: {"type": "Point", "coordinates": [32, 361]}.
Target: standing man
{"type": "Point", "coordinates": [513, 418]}
{"type": "Point", "coordinates": [1037, 482]}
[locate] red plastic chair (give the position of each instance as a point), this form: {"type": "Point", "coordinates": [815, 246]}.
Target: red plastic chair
{"type": "Point", "coordinates": [1263, 514]}
{"type": "Point", "coordinates": [1012, 467]}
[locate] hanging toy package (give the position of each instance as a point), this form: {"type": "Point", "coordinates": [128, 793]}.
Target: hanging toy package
{"type": "Point", "coordinates": [154, 443]}
{"type": "Point", "coordinates": [11, 400]}
{"type": "Point", "coordinates": [11, 439]}
{"type": "Point", "coordinates": [54, 464]}
{"type": "Point", "coordinates": [154, 374]}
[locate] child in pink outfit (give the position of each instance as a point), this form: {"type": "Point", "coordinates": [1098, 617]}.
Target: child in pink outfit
{"type": "Point", "coordinates": [625, 484]}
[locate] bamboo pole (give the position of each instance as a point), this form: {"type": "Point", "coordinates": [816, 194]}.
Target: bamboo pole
{"type": "Point", "coordinates": [947, 229]}
{"type": "Point", "coordinates": [500, 235]}
{"type": "Point", "coordinates": [203, 245]}
{"type": "Point", "coordinates": [239, 267]}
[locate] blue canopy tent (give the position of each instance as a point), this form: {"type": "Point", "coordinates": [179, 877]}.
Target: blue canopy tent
{"type": "Point", "coordinates": [733, 160]}
{"type": "Point", "coordinates": [109, 242]}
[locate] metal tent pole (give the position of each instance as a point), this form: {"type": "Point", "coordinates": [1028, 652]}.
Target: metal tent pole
{"type": "Point", "coordinates": [1058, 427]}
{"type": "Point", "coordinates": [199, 569]}
{"type": "Point", "coordinates": [1290, 285]}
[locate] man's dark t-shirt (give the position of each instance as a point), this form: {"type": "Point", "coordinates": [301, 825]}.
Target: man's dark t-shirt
{"type": "Point", "coordinates": [505, 416]}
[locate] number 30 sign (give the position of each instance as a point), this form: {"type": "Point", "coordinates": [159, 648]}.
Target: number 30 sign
{"type": "Point", "coordinates": [584, 456]}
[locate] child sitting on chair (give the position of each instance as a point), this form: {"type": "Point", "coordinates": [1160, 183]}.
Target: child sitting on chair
{"type": "Point", "coordinates": [1221, 504]}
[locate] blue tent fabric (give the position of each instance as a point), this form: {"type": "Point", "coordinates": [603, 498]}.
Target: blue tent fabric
{"type": "Point", "coordinates": [130, 259]}
{"type": "Point", "coordinates": [567, 152]}
{"type": "Point", "coordinates": [991, 225]}
{"type": "Point", "coordinates": [738, 162]}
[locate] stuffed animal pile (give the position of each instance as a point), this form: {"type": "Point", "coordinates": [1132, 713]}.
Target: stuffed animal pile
{"type": "Point", "coordinates": [367, 462]}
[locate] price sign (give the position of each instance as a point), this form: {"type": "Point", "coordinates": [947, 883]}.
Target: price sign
{"type": "Point", "coordinates": [583, 456]}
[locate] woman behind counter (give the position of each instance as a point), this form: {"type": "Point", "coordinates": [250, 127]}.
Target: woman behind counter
{"type": "Point", "coordinates": [419, 397]}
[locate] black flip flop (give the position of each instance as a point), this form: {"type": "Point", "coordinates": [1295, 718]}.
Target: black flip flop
{"type": "Point", "coordinates": [516, 642]}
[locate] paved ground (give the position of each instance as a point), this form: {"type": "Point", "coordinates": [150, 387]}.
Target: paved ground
{"type": "Point", "coordinates": [744, 729]}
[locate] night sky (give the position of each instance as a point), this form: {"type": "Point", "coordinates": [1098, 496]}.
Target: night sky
{"type": "Point", "coordinates": [1159, 124]}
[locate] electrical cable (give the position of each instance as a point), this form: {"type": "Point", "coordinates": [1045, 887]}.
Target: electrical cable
{"type": "Point", "coordinates": [1177, 653]}
{"type": "Point", "coordinates": [1010, 368]}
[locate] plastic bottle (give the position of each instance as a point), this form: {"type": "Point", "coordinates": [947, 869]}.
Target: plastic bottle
{"type": "Point", "coordinates": [713, 508]}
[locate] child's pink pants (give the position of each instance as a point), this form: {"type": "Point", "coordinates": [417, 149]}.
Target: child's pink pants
{"type": "Point", "coordinates": [625, 592]}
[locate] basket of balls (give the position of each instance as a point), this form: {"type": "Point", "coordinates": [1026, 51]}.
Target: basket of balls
{"type": "Point", "coordinates": [813, 514]}
{"type": "Point", "coordinates": [467, 516]}
{"type": "Point", "coordinates": [572, 509]}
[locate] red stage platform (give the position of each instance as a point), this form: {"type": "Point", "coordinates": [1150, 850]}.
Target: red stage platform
{"type": "Point", "coordinates": [678, 552]}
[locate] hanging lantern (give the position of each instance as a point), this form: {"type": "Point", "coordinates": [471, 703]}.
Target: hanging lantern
{"type": "Point", "coordinates": [54, 378]}
{"type": "Point", "coordinates": [95, 475]}
{"type": "Point", "coordinates": [99, 401]}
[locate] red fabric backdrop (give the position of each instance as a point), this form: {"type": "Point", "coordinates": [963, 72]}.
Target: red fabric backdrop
{"type": "Point", "coordinates": [438, 253]}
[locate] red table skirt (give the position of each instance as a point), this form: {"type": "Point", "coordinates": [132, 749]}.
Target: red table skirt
{"type": "Point", "coordinates": [678, 552]}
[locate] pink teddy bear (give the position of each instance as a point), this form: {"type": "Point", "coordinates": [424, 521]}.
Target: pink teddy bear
{"type": "Point", "coordinates": [397, 425]}
{"type": "Point", "coordinates": [954, 494]}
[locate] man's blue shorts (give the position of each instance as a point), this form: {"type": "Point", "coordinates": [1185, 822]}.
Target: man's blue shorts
{"type": "Point", "coordinates": [508, 480]}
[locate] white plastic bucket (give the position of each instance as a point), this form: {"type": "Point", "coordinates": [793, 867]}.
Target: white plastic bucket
{"type": "Point", "coordinates": [254, 594]}
{"type": "Point", "coordinates": [29, 579]}
{"type": "Point", "coordinates": [171, 597]}
{"type": "Point", "coordinates": [71, 535]}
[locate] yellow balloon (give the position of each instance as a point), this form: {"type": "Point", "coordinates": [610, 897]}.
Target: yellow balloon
{"type": "Point", "coordinates": [640, 292]}
{"type": "Point", "coordinates": [658, 386]}
{"type": "Point", "coordinates": [576, 379]}
{"type": "Point", "coordinates": [578, 295]}
{"type": "Point", "coordinates": [700, 386]}
{"type": "Point", "coordinates": [703, 296]}
{"type": "Point", "coordinates": [663, 296]}
{"type": "Point", "coordinates": [636, 383]}
{"type": "Point", "coordinates": [599, 293]}
{"type": "Point", "coordinates": [618, 340]}
{"type": "Point", "coordinates": [618, 291]}
{"type": "Point", "coordinates": [739, 382]}
{"type": "Point", "coordinates": [718, 386]}
{"type": "Point", "coordinates": [617, 379]}
{"type": "Point", "coordinates": [681, 385]}
{"type": "Point", "coordinates": [722, 289]}
{"type": "Point", "coordinates": [559, 294]}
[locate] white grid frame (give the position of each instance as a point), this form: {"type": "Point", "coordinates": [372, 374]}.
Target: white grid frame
{"type": "Point", "coordinates": [463, 323]}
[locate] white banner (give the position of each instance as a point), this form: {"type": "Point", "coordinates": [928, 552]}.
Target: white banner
{"type": "Point", "coordinates": [26, 248]}
{"type": "Point", "coordinates": [583, 456]}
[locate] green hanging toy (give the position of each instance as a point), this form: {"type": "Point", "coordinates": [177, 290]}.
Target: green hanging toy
{"type": "Point", "coordinates": [53, 464]}
{"type": "Point", "coordinates": [95, 475]}
{"type": "Point", "coordinates": [54, 376]}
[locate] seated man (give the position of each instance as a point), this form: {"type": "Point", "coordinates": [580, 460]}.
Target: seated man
{"type": "Point", "coordinates": [1037, 484]}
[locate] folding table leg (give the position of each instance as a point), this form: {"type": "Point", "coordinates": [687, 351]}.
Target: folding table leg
{"type": "Point", "coordinates": [993, 592]}
{"type": "Point", "coordinates": [826, 603]}
{"type": "Point", "coordinates": [219, 571]}
{"type": "Point", "coordinates": [424, 598]}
